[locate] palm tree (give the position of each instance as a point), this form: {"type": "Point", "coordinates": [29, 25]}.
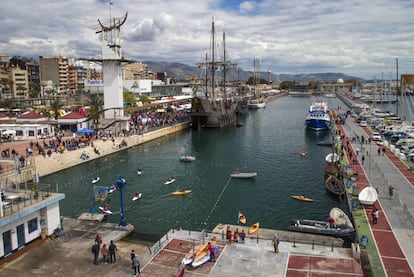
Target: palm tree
{"type": "Point", "coordinates": [55, 106]}
{"type": "Point", "coordinates": [95, 104]}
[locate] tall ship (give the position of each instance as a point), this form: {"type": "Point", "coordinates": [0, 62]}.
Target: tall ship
{"type": "Point", "coordinates": [257, 102]}
{"type": "Point", "coordinates": [214, 107]}
{"type": "Point", "coordinates": [318, 117]}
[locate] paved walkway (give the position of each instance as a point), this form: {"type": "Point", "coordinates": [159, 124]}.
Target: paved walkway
{"type": "Point", "coordinates": [394, 232]}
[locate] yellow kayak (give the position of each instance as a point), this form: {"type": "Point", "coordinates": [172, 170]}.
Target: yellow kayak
{"type": "Point", "coordinates": [181, 192]}
{"type": "Point", "coordinates": [254, 228]}
{"type": "Point", "coordinates": [302, 198]}
{"type": "Point", "coordinates": [242, 218]}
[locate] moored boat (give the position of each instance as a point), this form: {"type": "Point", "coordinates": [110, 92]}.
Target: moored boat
{"type": "Point", "coordinates": [242, 175]}
{"type": "Point", "coordinates": [341, 218]}
{"type": "Point", "coordinates": [368, 196]}
{"type": "Point", "coordinates": [318, 117]}
{"type": "Point", "coordinates": [187, 159]}
{"type": "Point", "coordinates": [335, 186]}
{"type": "Point", "coordinates": [256, 104]}
{"type": "Point", "coordinates": [320, 228]}
{"type": "Point", "coordinates": [302, 198]}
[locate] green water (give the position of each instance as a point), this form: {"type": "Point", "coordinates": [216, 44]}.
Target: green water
{"type": "Point", "coordinates": [268, 143]}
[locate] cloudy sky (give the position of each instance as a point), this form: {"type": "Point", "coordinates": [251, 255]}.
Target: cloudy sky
{"type": "Point", "coordinates": [356, 37]}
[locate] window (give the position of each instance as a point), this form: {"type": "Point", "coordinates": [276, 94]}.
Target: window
{"type": "Point", "coordinates": [32, 225]}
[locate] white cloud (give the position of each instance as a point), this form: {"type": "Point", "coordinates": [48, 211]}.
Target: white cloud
{"type": "Point", "coordinates": [360, 38]}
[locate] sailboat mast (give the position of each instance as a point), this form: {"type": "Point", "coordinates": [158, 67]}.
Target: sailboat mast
{"type": "Point", "coordinates": [213, 65]}
{"type": "Point", "coordinates": [205, 67]}
{"type": "Point", "coordinates": [224, 63]}
{"type": "Point", "coordinates": [396, 64]}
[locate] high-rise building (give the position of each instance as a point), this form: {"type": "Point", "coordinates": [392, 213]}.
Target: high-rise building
{"type": "Point", "coordinates": [55, 70]}
{"type": "Point", "coordinates": [20, 82]}
{"type": "Point", "coordinates": [135, 71]}
{"type": "Point", "coordinates": [5, 82]}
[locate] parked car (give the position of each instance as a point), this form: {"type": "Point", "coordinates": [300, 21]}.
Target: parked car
{"type": "Point", "coordinates": [376, 137]}
{"type": "Point", "coordinates": [363, 123]}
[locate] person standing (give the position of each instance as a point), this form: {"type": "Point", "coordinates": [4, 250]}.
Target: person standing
{"type": "Point", "coordinates": [242, 236]}
{"type": "Point", "coordinates": [236, 235]}
{"type": "Point", "coordinates": [276, 242]}
{"type": "Point", "coordinates": [112, 252]}
{"type": "Point", "coordinates": [95, 251]}
{"type": "Point", "coordinates": [136, 265]}
{"type": "Point", "coordinates": [211, 251]}
{"type": "Point", "coordinates": [104, 252]}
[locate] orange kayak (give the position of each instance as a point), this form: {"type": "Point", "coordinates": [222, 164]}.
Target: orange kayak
{"type": "Point", "coordinates": [181, 192]}
{"type": "Point", "coordinates": [302, 198]}
{"type": "Point", "coordinates": [254, 228]}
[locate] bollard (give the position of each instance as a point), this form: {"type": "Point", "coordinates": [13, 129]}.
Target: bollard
{"type": "Point", "coordinates": [189, 232]}
{"type": "Point", "coordinates": [166, 236]}
{"type": "Point", "coordinates": [332, 247]}
{"type": "Point", "coordinates": [149, 249]}
{"type": "Point", "coordinates": [257, 238]}
{"type": "Point", "coordinates": [159, 243]}
{"type": "Point", "coordinates": [222, 234]}
{"type": "Point", "coordinates": [294, 242]}
{"type": "Point", "coordinates": [313, 244]}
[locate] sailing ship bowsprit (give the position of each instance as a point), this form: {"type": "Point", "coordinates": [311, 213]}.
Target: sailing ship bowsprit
{"type": "Point", "coordinates": [216, 108]}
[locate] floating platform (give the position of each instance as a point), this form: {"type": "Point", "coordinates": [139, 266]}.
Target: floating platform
{"type": "Point", "coordinates": [98, 217]}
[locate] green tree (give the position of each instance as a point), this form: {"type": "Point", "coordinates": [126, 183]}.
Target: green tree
{"type": "Point", "coordinates": [34, 89]}
{"type": "Point", "coordinates": [130, 99]}
{"type": "Point", "coordinates": [144, 99]}
{"type": "Point", "coordinates": [55, 106]}
{"type": "Point", "coordinates": [95, 104]}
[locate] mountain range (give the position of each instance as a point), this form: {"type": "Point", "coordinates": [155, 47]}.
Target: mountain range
{"type": "Point", "coordinates": [182, 71]}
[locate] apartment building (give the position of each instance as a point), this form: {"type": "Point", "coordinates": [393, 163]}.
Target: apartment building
{"type": "Point", "coordinates": [20, 85]}
{"type": "Point", "coordinates": [135, 71]}
{"type": "Point", "coordinates": [56, 71]}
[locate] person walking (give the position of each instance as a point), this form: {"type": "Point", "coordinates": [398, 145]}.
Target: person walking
{"type": "Point", "coordinates": [95, 251]}
{"type": "Point", "coordinates": [276, 242]}
{"type": "Point", "coordinates": [112, 252]}
{"type": "Point", "coordinates": [104, 252]}
{"type": "Point", "coordinates": [136, 265]}
{"type": "Point", "coordinates": [375, 215]}
{"type": "Point", "coordinates": [211, 251]}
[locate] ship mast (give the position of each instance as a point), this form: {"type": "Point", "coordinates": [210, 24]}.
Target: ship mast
{"type": "Point", "coordinates": [213, 65]}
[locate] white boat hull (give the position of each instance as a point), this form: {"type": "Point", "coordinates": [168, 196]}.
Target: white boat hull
{"type": "Point", "coordinates": [368, 196]}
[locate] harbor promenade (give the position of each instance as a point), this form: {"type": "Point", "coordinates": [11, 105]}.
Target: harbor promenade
{"type": "Point", "coordinates": [70, 254]}
{"type": "Point", "coordinates": [393, 235]}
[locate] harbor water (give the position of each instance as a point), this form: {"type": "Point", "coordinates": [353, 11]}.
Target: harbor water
{"type": "Point", "coordinates": [268, 143]}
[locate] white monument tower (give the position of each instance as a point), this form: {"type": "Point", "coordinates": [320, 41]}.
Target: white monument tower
{"type": "Point", "coordinates": [111, 67]}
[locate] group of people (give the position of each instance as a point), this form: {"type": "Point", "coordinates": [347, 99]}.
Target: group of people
{"type": "Point", "coordinates": [108, 252]}
{"type": "Point", "coordinates": [236, 236]}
